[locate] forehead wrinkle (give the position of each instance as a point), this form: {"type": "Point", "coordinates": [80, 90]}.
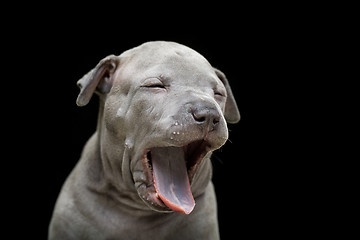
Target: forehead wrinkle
{"type": "Point", "coordinates": [173, 65]}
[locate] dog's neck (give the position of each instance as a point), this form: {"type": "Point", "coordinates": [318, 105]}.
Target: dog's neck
{"type": "Point", "coordinates": [113, 167]}
{"type": "Point", "coordinates": [102, 174]}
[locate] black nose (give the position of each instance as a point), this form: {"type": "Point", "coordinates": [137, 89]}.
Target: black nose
{"type": "Point", "coordinates": [206, 116]}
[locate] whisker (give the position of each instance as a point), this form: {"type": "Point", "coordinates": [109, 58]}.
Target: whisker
{"type": "Point", "coordinates": [217, 158]}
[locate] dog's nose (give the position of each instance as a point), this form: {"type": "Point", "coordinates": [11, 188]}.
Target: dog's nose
{"type": "Point", "coordinates": [205, 116]}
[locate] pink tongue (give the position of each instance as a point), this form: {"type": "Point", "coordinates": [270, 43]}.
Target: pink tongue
{"type": "Point", "coordinates": [171, 180]}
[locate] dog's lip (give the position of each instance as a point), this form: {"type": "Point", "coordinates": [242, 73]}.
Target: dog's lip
{"type": "Point", "coordinates": [194, 152]}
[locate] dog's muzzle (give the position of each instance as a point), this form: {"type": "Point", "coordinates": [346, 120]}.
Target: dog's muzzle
{"type": "Point", "coordinates": [169, 168]}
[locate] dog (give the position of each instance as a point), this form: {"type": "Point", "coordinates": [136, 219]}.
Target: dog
{"type": "Point", "coordinates": [163, 111]}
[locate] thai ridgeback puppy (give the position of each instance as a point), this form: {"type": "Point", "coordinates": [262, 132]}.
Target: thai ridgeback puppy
{"type": "Point", "coordinates": [163, 111]}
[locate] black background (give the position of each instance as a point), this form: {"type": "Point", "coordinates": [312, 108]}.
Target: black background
{"type": "Point", "coordinates": [260, 174]}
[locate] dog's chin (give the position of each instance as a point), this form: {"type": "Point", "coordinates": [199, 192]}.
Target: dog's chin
{"type": "Point", "coordinates": [150, 189]}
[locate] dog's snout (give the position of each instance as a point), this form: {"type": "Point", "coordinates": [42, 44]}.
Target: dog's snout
{"type": "Point", "coordinates": [206, 116]}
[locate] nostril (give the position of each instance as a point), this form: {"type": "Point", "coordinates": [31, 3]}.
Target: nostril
{"type": "Point", "coordinates": [199, 118]}
{"type": "Point", "coordinates": [215, 121]}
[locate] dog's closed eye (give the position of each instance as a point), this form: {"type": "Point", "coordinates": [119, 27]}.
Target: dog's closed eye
{"type": "Point", "coordinates": [219, 93]}
{"type": "Point", "coordinates": [153, 83]}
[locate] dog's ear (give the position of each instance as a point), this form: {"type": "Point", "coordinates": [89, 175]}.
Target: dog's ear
{"type": "Point", "coordinates": [98, 80]}
{"type": "Point", "coordinates": [231, 114]}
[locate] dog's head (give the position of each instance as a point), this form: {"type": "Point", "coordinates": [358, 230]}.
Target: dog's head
{"type": "Point", "coordinates": [164, 109]}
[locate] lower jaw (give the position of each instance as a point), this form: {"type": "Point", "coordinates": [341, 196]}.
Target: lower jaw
{"type": "Point", "coordinates": [151, 198]}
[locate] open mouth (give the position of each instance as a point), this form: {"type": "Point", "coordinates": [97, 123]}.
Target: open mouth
{"type": "Point", "coordinates": [171, 170]}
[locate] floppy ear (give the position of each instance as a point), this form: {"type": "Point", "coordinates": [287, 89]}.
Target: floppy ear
{"type": "Point", "coordinates": [98, 80]}
{"type": "Point", "coordinates": [232, 114]}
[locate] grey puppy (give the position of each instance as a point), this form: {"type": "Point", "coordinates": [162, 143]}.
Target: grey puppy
{"type": "Point", "coordinates": [163, 111]}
